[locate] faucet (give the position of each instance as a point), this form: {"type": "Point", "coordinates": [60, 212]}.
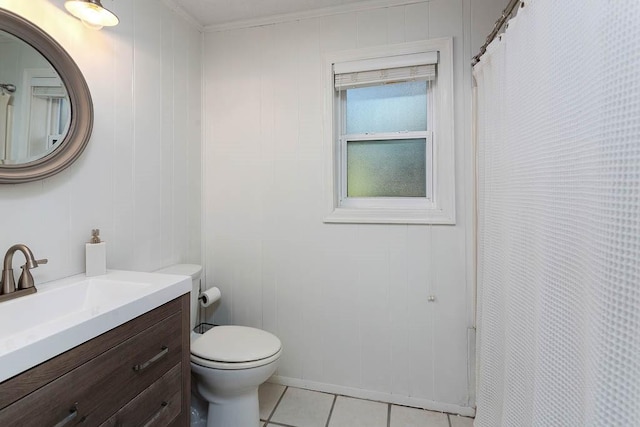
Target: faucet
{"type": "Point", "coordinates": [25, 283]}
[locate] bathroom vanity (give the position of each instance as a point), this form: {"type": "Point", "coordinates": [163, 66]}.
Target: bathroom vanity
{"type": "Point", "coordinates": [136, 374]}
{"type": "Point", "coordinates": [133, 374]}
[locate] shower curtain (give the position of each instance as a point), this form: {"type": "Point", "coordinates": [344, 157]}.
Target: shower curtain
{"type": "Point", "coordinates": [558, 134]}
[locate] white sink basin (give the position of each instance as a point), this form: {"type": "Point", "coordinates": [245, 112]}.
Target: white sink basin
{"type": "Point", "coordinates": [67, 312]}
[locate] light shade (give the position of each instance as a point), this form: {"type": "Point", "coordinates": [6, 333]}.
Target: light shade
{"type": "Point", "coordinates": [91, 13]}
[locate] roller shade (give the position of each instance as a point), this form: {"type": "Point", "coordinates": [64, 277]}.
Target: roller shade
{"type": "Point", "coordinates": [377, 71]}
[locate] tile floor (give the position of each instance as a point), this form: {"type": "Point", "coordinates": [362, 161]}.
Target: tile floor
{"type": "Point", "coordinates": [296, 407]}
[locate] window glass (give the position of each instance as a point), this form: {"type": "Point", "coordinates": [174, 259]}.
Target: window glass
{"type": "Point", "coordinates": [395, 107]}
{"type": "Point", "coordinates": [386, 168]}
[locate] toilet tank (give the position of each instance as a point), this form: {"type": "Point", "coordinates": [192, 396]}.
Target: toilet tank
{"type": "Point", "coordinates": [195, 271]}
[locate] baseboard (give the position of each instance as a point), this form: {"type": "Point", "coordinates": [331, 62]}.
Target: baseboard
{"type": "Point", "coordinates": [374, 395]}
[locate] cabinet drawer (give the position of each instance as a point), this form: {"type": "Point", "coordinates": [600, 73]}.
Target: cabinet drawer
{"type": "Point", "coordinates": [98, 388]}
{"type": "Point", "coordinates": [156, 406]}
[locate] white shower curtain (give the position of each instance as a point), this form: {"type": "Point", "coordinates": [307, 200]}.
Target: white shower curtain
{"type": "Point", "coordinates": [558, 130]}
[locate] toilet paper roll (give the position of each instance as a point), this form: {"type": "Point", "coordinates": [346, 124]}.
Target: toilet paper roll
{"type": "Point", "coordinates": [210, 296]}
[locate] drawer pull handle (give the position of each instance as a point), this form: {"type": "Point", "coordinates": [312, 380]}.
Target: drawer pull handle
{"type": "Point", "coordinates": [155, 417]}
{"type": "Point", "coordinates": [72, 415]}
{"type": "Point", "coordinates": [154, 359]}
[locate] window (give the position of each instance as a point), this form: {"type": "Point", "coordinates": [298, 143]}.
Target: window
{"type": "Point", "coordinates": [390, 133]}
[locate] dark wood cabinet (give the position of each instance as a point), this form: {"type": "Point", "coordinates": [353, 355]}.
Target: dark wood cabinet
{"type": "Point", "coordinates": [137, 374]}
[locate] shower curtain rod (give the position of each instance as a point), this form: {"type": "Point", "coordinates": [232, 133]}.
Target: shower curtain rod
{"type": "Point", "coordinates": [8, 87]}
{"type": "Point", "coordinates": [506, 13]}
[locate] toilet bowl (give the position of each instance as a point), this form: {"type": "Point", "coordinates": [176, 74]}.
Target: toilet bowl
{"type": "Point", "coordinates": [229, 363]}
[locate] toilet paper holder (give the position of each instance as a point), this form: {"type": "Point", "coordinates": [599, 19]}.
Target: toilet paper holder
{"type": "Point", "coordinates": [209, 296]}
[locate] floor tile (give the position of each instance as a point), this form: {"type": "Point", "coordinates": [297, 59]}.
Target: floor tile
{"type": "Point", "coordinates": [303, 408]}
{"type": "Point", "coordinates": [268, 395]}
{"type": "Point", "coordinates": [458, 421]}
{"type": "Point", "coordinates": [349, 412]}
{"type": "Point", "coordinates": [401, 416]}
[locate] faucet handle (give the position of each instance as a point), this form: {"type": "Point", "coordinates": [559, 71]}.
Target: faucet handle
{"type": "Point", "coordinates": [26, 279]}
{"type": "Point", "coordinates": [36, 263]}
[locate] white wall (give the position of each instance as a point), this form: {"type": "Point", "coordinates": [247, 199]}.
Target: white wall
{"type": "Point", "coordinates": [349, 302]}
{"type": "Point", "coordinates": [139, 178]}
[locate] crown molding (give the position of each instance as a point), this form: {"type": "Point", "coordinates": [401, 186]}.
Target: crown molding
{"type": "Point", "coordinates": [315, 13]}
{"type": "Point", "coordinates": [171, 4]}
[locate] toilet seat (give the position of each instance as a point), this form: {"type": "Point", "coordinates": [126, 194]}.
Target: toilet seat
{"type": "Point", "coordinates": [234, 365]}
{"type": "Point", "coordinates": [235, 347]}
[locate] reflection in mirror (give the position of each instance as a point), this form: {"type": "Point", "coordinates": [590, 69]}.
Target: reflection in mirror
{"type": "Point", "coordinates": [35, 110]}
{"type": "Point", "coordinates": [46, 113]}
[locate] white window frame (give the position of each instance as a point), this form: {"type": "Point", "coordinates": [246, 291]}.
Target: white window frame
{"type": "Point", "coordinates": [439, 205]}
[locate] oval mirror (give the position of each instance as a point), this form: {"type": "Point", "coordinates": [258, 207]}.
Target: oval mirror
{"type": "Point", "coordinates": [46, 113]}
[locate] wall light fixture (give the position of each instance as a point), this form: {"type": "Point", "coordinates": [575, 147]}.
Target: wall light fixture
{"type": "Point", "coordinates": [91, 13]}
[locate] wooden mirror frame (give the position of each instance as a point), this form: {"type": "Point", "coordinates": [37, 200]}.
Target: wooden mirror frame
{"type": "Point", "coordinates": [81, 124]}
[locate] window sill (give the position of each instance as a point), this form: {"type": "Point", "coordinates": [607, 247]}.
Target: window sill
{"type": "Point", "coordinates": [390, 216]}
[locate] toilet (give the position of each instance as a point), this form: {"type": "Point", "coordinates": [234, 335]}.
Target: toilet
{"type": "Point", "coordinates": [228, 363]}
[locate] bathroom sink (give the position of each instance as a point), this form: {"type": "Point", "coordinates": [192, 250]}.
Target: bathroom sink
{"type": "Point", "coordinates": [67, 312]}
{"type": "Point", "coordinates": [63, 304]}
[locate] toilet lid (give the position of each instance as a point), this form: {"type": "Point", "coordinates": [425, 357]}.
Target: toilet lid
{"type": "Point", "coordinates": [235, 344]}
